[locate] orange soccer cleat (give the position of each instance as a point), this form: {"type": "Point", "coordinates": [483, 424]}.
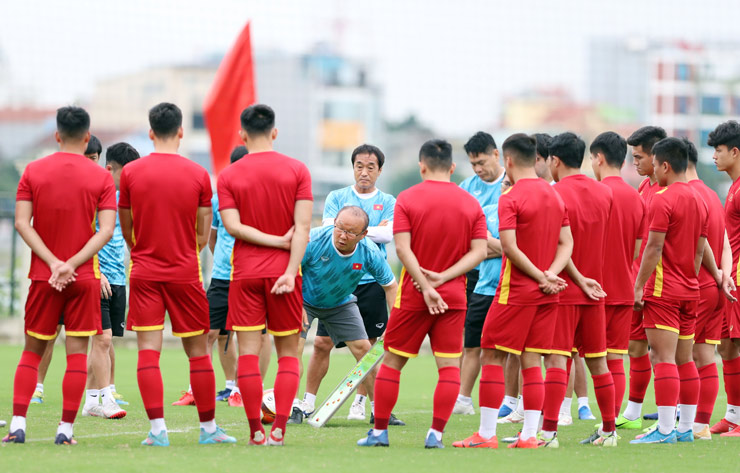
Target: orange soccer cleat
{"type": "Point", "coordinates": [187, 399]}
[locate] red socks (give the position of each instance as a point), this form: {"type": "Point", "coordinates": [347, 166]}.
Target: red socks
{"type": "Point", "coordinates": [604, 391]}
{"type": "Point", "coordinates": [203, 382]}
{"type": "Point", "coordinates": [731, 375]}
{"type": "Point", "coordinates": [533, 391]}
{"type": "Point", "coordinates": [73, 386]}
{"type": "Point", "coordinates": [709, 387]}
{"type": "Point", "coordinates": [667, 385]}
{"type": "Point", "coordinates": [491, 390]}
{"type": "Point", "coordinates": [387, 383]}
{"type": "Point", "coordinates": [150, 383]}
{"type": "Point", "coordinates": [250, 386]}
{"type": "Point", "coordinates": [616, 368]}
{"type": "Point", "coordinates": [556, 384]}
{"type": "Point", "coordinates": [445, 395]}
{"type": "Point", "coordinates": [639, 378]}
{"type": "Point", "coordinates": [286, 387]}
{"type": "Point", "coordinates": [689, 388]}
{"type": "Point", "coordinates": [26, 375]}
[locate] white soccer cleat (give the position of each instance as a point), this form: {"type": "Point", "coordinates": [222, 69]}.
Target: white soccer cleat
{"type": "Point", "coordinates": [111, 410]}
{"type": "Point", "coordinates": [463, 408]}
{"type": "Point", "coordinates": [356, 411]}
{"type": "Point", "coordinates": [513, 418]}
{"type": "Point", "coordinates": [94, 410]}
{"type": "Point", "coordinates": [565, 419]}
{"type": "Point", "coordinates": [307, 408]}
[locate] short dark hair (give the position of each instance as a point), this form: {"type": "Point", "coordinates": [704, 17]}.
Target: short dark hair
{"type": "Point", "coordinates": [480, 143]}
{"type": "Point", "coordinates": [121, 153]}
{"type": "Point", "coordinates": [165, 119]}
{"type": "Point", "coordinates": [612, 146]}
{"type": "Point", "coordinates": [691, 151]}
{"type": "Point", "coordinates": [646, 137]}
{"type": "Point", "coordinates": [522, 148]}
{"type": "Point", "coordinates": [436, 154]}
{"type": "Point", "coordinates": [257, 119]}
{"type": "Point", "coordinates": [543, 144]}
{"type": "Point", "coordinates": [727, 133]}
{"type": "Point", "coordinates": [72, 122]}
{"type": "Point", "coordinates": [238, 153]}
{"type": "Point", "coordinates": [371, 150]}
{"type": "Point", "coordinates": [672, 150]}
{"type": "Point", "coordinates": [357, 211]}
{"type": "Point", "coordinates": [569, 148]}
{"type": "Point", "coordinates": [94, 146]}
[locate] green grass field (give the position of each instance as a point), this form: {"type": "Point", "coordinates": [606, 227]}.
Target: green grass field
{"type": "Point", "coordinates": [113, 445]}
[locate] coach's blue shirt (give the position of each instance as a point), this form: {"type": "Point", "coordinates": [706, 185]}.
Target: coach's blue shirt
{"type": "Point", "coordinates": [378, 206]}
{"type": "Point", "coordinates": [329, 277]}
{"type": "Point", "coordinates": [224, 246]}
{"type": "Point", "coordinates": [490, 269]}
{"type": "Point", "coordinates": [110, 257]}
{"type": "Point", "coordinates": [486, 193]}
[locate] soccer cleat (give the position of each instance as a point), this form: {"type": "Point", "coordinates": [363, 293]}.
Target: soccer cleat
{"type": "Point", "coordinates": [511, 439]}
{"type": "Point", "coordinates": [306, 408]}
{"type": "Point", "coordinates": [393, 420]}
{"type": "Point", "coordinates": [584, 413]}
{"type": "Point", "coordinates": [235, 400]}
{"type": "Point", "coordinates": [548, 443]}
{"type": "Point", "coordinates": [276, 438]}
{"type": "Point", "coordinates": [219, 436]}
{"type": "Point", "coordinates": [652, 426]}
{"type": "Point", "coordinates": [513, 418]}
{"type": "Point", "coordinates": [504, 411]}
{"type": "Point", "coordinates": [38, 397]}
{"type": "Point", "coordinates": [687, 436]}
{"type": "Point", "coordinates": [722, 426]}
{"type": "Point", "coordinates": [463, 408]}
{"type": "Point", "coordinates": [608, 440]}
{"type": "Point", "coordinates": [18, 436]}
{"type": "Point", "coordinates": [732, 433]}
{"type": "Point", "coordinates": [623, 423]}
{"type": "Point", "coordinates": [223, 395]}
{"type": "Point", "coordinates": [186, 399]}
{"type": "Point", "coordinates": [356, 411]}
{"type": "Point", "coordinates": [531, 442]}
{"type": "Point", "coordinates": [476, 441]}
{"type": "Point", "coordinates": [565, 419]}
{"type": "Point", "coordinates": [259, 439]}
{"type": "Point", "coordinates": [159, 440]}
{"type": "Point", "coordinates": [432, 442]}
{"type": "Point", "coordinates": [111, 410]}
{"type": "Point", "coordinates": [651, 416]}
{"type": "Point", "coordinates": [296, 416]}
{"type": "Point", "coordinates": [654, 436]}
{"type": "Point", "coordinates": [62, 439]}
{"type": "Point", "coordinates": [703, 434]}
{"type": "Point", "coordinates": [119, 399]}
{"type": "Point", "coordinates": [374, 440]}
{"type": "Point", "coordinates": [92, 410]}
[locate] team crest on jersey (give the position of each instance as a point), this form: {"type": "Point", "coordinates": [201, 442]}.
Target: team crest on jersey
{"type": "Point", "coordinates": [324, 258]}
{"type": "Point", "coordinates": [378, 207]}
{"type": "Point", "coordinates": [477, 192]}
{"type": "Point", "coordinates": [357, 266]}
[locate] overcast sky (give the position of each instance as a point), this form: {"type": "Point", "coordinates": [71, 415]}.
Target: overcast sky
{"type": "Point", "coordinates": [451, 62]}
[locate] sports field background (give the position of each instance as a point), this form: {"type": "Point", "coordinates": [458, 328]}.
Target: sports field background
{"type": "Point", "coordinates": [113, 445]}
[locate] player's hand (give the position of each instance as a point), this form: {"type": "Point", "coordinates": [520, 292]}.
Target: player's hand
{"type": "Point", "coordinates": [434, 278]}
{"type": "Point", "coordinates": [286, 239]}
{"type": "Point", "coordinates": [728, 287]}
{"type": "Point", "coordinates": [434, 302]}
{"type": "Point", "coordinates": [305, 320]}
{"type": "Point", "coordinates": [284, 284]}
{"type": "Point", "coordinates": [639, 303]}
{"type": "Point", "coordinates": [592, 289]}
{"type": "Point", "coordinates": [551, 283]}
{"type": "Point", "coordinates": [62, 274]}
{"type": "Point", "coordinates": [718, 277]}
{"type": "Point", "coordinates": [105, 290]}
{"type": "Point", "coordinates": [383, 223]}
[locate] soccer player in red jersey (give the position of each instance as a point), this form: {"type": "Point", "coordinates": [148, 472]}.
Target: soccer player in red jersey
{"type": "Point", "coordinates": [165, 214]}
{"type": "Point", "coordinates": [58, 198]}
{"type": "Point", "coordinates": [624, 234]}
{"type": "Point", "coordinates": [581, 321]}
{"type": "Point", "coordinates": [440, 234]}
{"type": "Point", "coordinates": [712, 299]}
{"type": "Point", "coordinates": [725, 139]}
{"type": "Point", "coordinates": [537, 244]}
{"type": "Point", "coordinates": [266, 201]}
{"type": "Point", "coordinates": [667, 290]}
{"type": "Point", "coordinates": [642, 142]}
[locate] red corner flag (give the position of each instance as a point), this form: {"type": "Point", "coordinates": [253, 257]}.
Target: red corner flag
{"type": "Point", "coordinates": [232, 91]}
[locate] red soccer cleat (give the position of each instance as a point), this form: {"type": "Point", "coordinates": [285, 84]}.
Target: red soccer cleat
{"type": "Point", "coordinates": [722, 426]}
{"type": "Point", "coordinates": [531, 442]}
{"type": "Point", "coordinates": [187, 399]}
{"type": "Point", "coordinates": [732, 433]}
{"type": "Point", "coordinates": [235, 400]}
{"type": "Point", "coordinates": [476, 441]}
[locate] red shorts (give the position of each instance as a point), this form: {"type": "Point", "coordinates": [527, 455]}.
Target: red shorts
{"type": "Point", "coordinates": [618, 325]}
{"type": "Point", "coordinates": [580, 328]}
{"type": "Point", "coordinates": [186, 305]}
{"type": "Point", "coordinates": [408, 328]}
{"type": "Point", "coordinates": [731, 322]}
{"type": "Point", "coordinates": [518, 328]}
{"type": "Point", "coordinates": [710, 315]}
{"type": "Point", "coordinates": [637, 331]}
{"type": "Point", "coordinates": [674, 316]}
{"type": "Point", "coordinates": [79, 302]}
{"type": "Point", "coordinates": [252, 307]}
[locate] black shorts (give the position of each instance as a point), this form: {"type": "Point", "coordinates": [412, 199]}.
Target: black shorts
{"type": "Point", "coordinates": [478, 306]}
{"type": "Point", "coordinates": [113, 311]}
{"type": "Point", "coordinates": [373, 308]}
{"type": "Point", "coordinates": [471, 279]}
{"type": "Point", "coordinates": [218, 304]}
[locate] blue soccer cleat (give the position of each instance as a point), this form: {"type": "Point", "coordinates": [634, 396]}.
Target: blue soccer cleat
{"type": "Point", "coordinates": [374, 440]}
{"type": "Point", "coordinates": [654, 416]}
{"type": "Point", "coordinates": [159, 440]}
{"type": "Point", "coordinates": [687, 436]}
{"type": "Point", "coordinates": [223, 395]}
{"type": "Point", "coordinates": [432, 442]}
{"type": "Point", "coordinates": [19, 436]}
{"type": "Point", "coordinates": [504, 411]}
{"type": "Point", "coordinates": [655, 436]}
{"type": "Point", "coordinates": [584, 413]}
{"type": "Point", "coordinates": [219, 436]}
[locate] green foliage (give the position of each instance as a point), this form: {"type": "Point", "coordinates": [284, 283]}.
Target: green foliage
{"type": "Point", "coordinates": [9, 177]}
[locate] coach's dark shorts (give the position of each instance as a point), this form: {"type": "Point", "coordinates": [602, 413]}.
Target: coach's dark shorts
{"type": "Point", "coordinates": [113, 311]}
{"type": "Point", "coordinates": [478, 306]}
{"type": "Point", "coordinates": [471, 279]}
{"type": "Point", "coordinates": [373, 308]}
{"type": "Point", "coordinates": [218, 304]}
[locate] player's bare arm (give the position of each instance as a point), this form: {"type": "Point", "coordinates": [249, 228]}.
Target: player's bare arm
{"type": "Point", "coordinates": [298, 242]}
{"type": "Point", "coordinates": [23, 215]}
{"type": "Point", "coordinates": [203, 225]}
{"type": "Point", "coordinates": [650, 258]}
{"type": "Point", "coordinates": [710, 264]}
{"type": "Point", "coordinates": [519, 259]}
{"type": "Point", "coordinates": [433, 300]}
{"type": "Point", "coordinates": [638, 244]}
{"type": "Point", "coordinates": [382, 233]}
{"type": "Point", "coordinates": [233, 225]}
{"type": "Point", "coordinates": [728, 284]}
{"type": "Point", "coordinates": [590, 287]}
{"type": "Point", "coordinates": [126, 220]}
{"type": "Point", "coordinates": [470, 260]}
{"type": "Point", "coordinates": [493, 247]}
{"type": "Point", "coordinates": [390, 294]}
{"type": "Point", "coordinates": [701, 248]}
{"type": "Point", "coordinates": [212, 241]}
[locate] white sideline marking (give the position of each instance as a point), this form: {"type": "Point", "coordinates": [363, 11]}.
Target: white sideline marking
{"type": "Point", "coordinates": [138, 432]}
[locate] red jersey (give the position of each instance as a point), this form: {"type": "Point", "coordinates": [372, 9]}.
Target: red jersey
{"type": "Point", "coordinates": [66, 191]}
{"type": "Point", "coordinates": [163, 192]}
{"type": "Point", "coordinates": [681, 214]}
{"type": "Point", "coordinates": [537, 213]}
{"type": "Point", "coordinates": [715, 229]}
{"type": "Point", "coordinates": [627, 224]}
{"type": "Point", "coordinates": [264, 188]}
{"type": "Point", "coordinates": [442, 219]}
{"type": "Point", "coordinates": [732, 222]}
{"type": "Point", "coordinates": [647, 190]}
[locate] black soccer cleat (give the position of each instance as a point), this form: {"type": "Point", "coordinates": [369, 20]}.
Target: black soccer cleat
{"type": "Point", "coordinates": [392, 421]}
{"type": "Point", "coordinates": [296, 417]}
{"type": "Point", "coordinates": [62, 439]}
